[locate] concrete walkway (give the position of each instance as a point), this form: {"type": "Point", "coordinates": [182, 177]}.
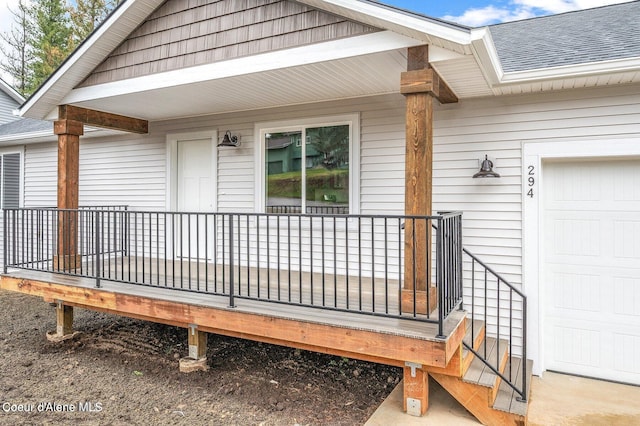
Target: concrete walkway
{"type": "Point", "coordinates": [556, 399]}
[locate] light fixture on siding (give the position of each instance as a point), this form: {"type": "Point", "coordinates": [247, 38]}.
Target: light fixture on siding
{"type": "Point", "coordinates": [486, 170]}
{"type": "Point", "coordinates": [229, 140]}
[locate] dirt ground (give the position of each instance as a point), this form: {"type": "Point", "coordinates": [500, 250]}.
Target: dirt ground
{"type": "Point", "coordinates": [120, 371]}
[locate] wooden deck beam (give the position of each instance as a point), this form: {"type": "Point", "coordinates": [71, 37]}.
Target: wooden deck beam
{"type": "Point", "coordinates": [368, 345]}
{"type": "Point", "coordinates": [102, 119]}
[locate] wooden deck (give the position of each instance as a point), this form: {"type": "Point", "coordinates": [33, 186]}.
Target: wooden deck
{"type": "Point", "coordinates": [385, 340]}
{"type": "Point", "coordinates": [403, 342]}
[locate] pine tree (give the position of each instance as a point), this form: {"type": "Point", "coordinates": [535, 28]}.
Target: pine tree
{"type": "Point", "coordinates": [18, 54]}
{"type": "Point", "coordinates": [51, 39]}
{"type": "Point", "coordinates": [87, 15]}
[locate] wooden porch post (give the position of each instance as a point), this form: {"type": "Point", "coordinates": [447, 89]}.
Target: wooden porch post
{"type": "Point", "coordinates": [69, 127]}
{"type": "Point", "coordinates": [420, 84]}
{"type": "Point", "coordinates": [69, 132]}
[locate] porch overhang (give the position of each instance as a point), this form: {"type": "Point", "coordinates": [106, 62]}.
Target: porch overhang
{"type": "Point", "coordinates": [349, 68]}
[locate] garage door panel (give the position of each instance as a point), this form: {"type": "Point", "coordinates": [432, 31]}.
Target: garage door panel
{"type": "Point", "coordinates": [574, 345]}
{"type": "Point", "coordinates": [626, 358]}
{"type": "Point", "coordinates": [577, 292]}
{"type": "Point", "coordinates": [591, 255]}
{"type": "Point", "coordinates": [626, 244]}
{"type": "Point", "coordinates": [626, 293]}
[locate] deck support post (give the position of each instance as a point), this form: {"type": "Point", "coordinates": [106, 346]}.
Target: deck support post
{"type": "Point", "coordinates": [416, 389]}
{"type": "Point", "coordinates": [197, 359]}
{"type": "Point", "coordinates": [68, 257]}
{"type": "Point", "coordinates": [420, 84]}
{"type": "Point", "coordinates": [64, 323]}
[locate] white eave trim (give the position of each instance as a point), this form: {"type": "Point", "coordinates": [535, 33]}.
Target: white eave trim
{"type": "Point", "coordinates": [388, 18]}
{"type": "Point", "coordinates": [305, 55]}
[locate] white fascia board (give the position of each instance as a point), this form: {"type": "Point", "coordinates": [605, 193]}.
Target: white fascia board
{"type": "Point", "coordinates": [48, 136]}
{"type": "Point", "coordinates": [304, 55]}
{"type": "Point", "coordinates": [6, 88]}
{"type": "Point", "coordinates": [121, 13]}
{"type": "Point", "coordinates": [388, 18]}
{"type": "Point", "coordinates": [486, 54]}
{"type": "Point", "coordinates": [25, 138]}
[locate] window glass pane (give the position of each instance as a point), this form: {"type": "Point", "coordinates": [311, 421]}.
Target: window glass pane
{"type": "Point", "coordinates": [11, 181]}
{"type": "Point", "coordinates": [283, 166]}
{"type": "Point", "coordinates": [327, 174]}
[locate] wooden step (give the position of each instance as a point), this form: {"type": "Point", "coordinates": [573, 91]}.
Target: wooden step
{"type": "Point", "coordinates": [482, 391]}
{"type": "Point", "coordinates": [478, 331]}
{"type": "Point", "coordinates": [479, 373]}
{"type": "Point", "coordinates": [507, 398]}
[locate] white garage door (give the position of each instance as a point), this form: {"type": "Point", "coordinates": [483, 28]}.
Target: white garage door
{"type": "Point", "coordinates": [591, 281]}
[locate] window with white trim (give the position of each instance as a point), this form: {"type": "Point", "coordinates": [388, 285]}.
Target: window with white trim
{"type": "Point", "coordinates": [310, 166]}
{"type": "Point", "coordinates": [10, 180]}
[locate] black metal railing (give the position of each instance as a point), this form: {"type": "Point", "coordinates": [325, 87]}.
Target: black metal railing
{"type": "Point", "coordinates": [350, 263]}
{"type": "Point", "coordinates": [503, 309]}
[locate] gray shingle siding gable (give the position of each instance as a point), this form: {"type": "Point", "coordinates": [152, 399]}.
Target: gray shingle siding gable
{"type": "Point", "coordinates": [593, 35]}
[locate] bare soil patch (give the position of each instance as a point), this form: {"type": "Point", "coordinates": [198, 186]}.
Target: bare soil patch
{"type": "Point", "coordinates": [127, 370]}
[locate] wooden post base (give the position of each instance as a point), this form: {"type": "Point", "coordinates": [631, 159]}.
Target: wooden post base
{"type": "Point", "coordinates": [416, 390]}
{"type": "Point", "coordinates": [64, 324]}
{"type": "Point", "coordinates": [197, 359]}
{"type": "Point", "coordinates": [67, 262]}
{"type": "Point", "coordinates": [421, 301]}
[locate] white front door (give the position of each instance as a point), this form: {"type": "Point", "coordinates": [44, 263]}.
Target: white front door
{"type": "Point", "coordinates": [591, 281]}
{"type": "Point", "coordinates": [195, 194]}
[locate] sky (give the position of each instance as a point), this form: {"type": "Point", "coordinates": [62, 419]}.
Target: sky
{"type": "Point", "coordinates": [473, 13]}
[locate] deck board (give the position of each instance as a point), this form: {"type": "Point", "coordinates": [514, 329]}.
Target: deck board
{"type": "Point", "coordinates": [378, 293]}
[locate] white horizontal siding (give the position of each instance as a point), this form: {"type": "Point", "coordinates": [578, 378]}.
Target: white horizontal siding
{"type": "Point", "coordinates": [116, 170]}
{"type": "Point", "coordinates": [131, 169]}
{"type": "Point", "coordinates": [40, 175]}
{"type": "Point", "coordinates": [7, 105]}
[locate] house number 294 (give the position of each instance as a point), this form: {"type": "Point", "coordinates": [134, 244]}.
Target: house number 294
{"type": "Point", "coordinates": [531, 180]}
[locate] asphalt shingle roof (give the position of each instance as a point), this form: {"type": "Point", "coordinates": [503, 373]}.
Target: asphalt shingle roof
{"type": "Point", "coordinates": [25, 125]}
{"type": "Point", "coordinates": [586, 36]}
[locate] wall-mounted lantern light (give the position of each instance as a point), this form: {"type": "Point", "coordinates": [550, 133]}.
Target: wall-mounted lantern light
{"type": "Point", "coordinates": [486, 170]}
{"type": "Point", "coordinates": [229, 140]}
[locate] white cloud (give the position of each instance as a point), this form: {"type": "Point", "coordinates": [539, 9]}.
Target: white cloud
{"type": "Point", "coordinates": [523, 9]}
{"type": "Point", "coordinates": [489, 15]}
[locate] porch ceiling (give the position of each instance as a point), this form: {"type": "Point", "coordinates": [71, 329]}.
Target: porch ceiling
{"type": "Point", "coordinates": [365, 75]}
{"type": "Point", "coordinates": [344, 78]}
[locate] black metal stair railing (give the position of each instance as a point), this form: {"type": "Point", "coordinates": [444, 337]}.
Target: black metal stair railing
{"type": "Point", "coordinates": [368, 264]}
{"type": "Point", "coordinates": [505, 319]}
